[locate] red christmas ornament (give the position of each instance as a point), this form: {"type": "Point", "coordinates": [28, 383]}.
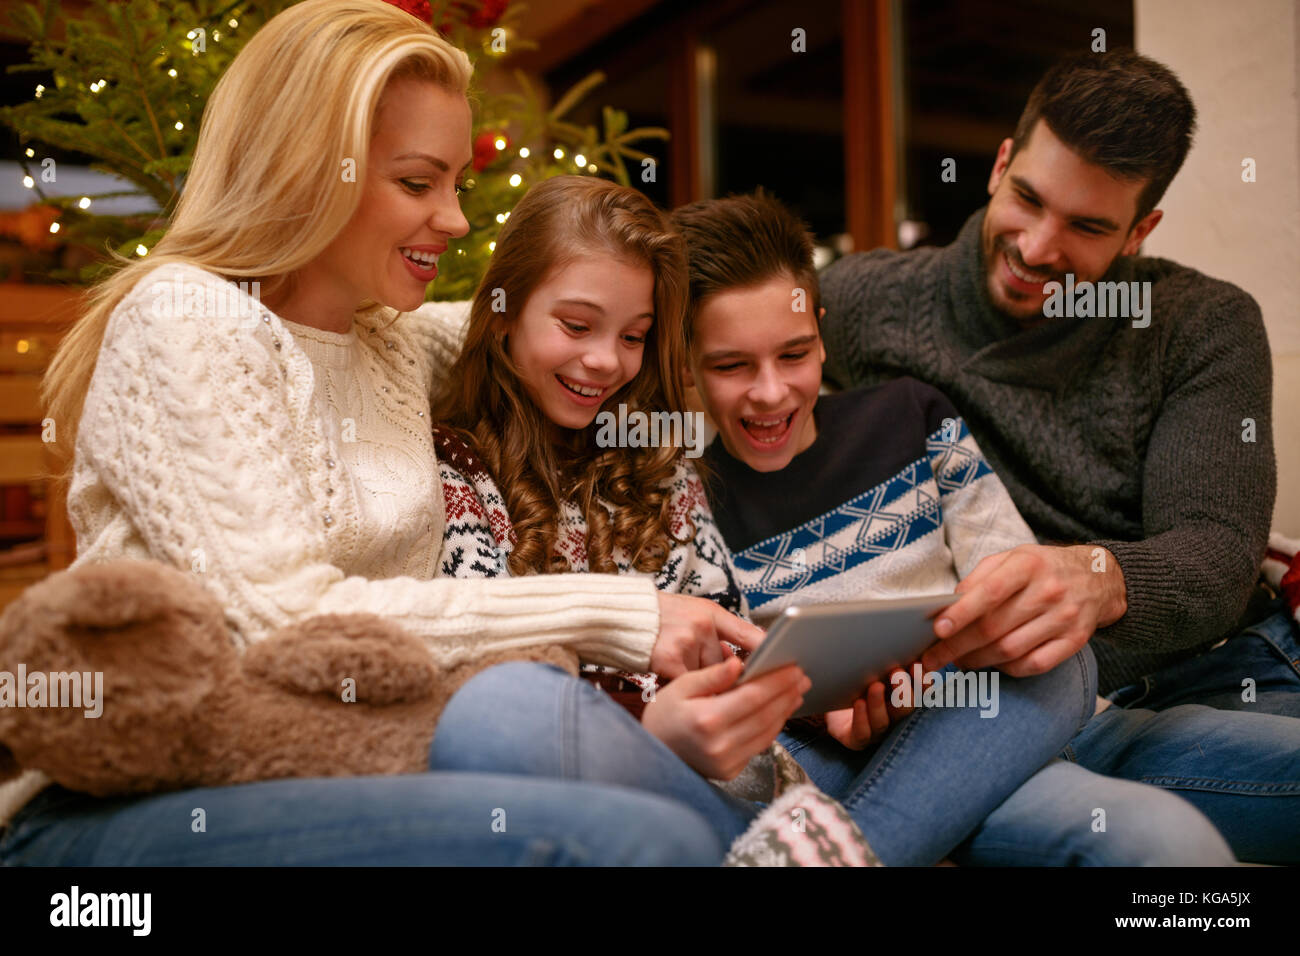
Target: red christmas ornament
{"type": "Point", "coordinates": [417, 8]}
{"type": "Point", "coordinates": [487, 14]}
{"type": "Point", "coordinates": [485, 148]}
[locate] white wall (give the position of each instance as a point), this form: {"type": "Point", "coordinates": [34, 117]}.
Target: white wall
{"type": "Point", "coordinates": [1239, 61]}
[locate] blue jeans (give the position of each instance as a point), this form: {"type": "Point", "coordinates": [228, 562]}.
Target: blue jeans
{"type": "Point", "coordinates": [525, 718]}
{"type": "Point", "coordinates": [416, 820]}
{"type": "Point", "coordinates": [1237, 761]}
{"type": "Point", "coordinates": [1267, 654]}
{"type": "Point", "coordinates": [1065, 815]}
{"type": "Point", "coordinates": [940, 771]}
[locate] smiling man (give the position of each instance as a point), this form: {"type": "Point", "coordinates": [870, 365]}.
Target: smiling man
{"type": "Point", "coordinates": [1139, 451]}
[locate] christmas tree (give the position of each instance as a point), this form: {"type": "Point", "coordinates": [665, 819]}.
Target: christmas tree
{"type": "Point", "coordinates": [131, 80]}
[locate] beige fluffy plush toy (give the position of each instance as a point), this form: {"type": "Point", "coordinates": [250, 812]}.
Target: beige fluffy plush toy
{"type": "Point", "coordinates": [335, 695]}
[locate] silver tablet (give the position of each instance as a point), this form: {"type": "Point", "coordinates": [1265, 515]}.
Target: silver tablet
{"type": "Point", "coordinates": [844, 647]}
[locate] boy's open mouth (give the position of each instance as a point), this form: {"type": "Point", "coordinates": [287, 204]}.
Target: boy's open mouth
{"type": "Point", "coordinates": [767, 430]}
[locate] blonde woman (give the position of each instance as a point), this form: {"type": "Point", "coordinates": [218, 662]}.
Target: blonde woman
{"type": "Point", "coordinates": [281, 448]}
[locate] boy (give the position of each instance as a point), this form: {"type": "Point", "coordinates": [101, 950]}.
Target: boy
{"type": "Point", "coordinates": [876, 492]}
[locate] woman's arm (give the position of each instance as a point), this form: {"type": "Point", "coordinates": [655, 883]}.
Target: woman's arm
{"type": "Point", "coordinates": [197, 435]}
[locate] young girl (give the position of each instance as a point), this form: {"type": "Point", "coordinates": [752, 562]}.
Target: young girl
{"type": "Point", "coordinates": [587, 288]}
{"type": "Point", "coordinates": [582, 308]}
{"type": "Point", "coordinates": [202, 433]}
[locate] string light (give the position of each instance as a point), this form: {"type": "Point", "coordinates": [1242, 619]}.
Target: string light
{"type": "Point", "coordinates": [85, 202]}
{"type": "Point", "coordinates": [524, 153]}
{"type": "Point", "coordinates": [54, 227]}
{"type": "Point", "coordinates": [499, 143]}
{"type": "Point", "coordinates": [29, 182]}
{"type": "Point", "coordinates": [30, 152]}
{"type": "Point", "coordinates": [559, 153]}
{"type": "Point", "coordinates": [516, 179]}
{"type": "Point", "coordinates": [141, 251]}
{"type": "Point", "coordinates": [233, 23]}
{"type": "Point", "coordinates": [579, 159]}
{"type": "Point", "coordinates": [180, 125]}
{"type": "Point", "coordinates": [172, 72]}
{"type": "Point", "coordinates": [40, 88]}
{"type": "Point", "coordinates": [591, 168]}
{"type": "Point", "coordinates": [492, 246]}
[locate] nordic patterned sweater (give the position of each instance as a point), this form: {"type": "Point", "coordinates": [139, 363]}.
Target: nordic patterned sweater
{"type": "Point", "coordinates": [892, 499]}
{"type": "Point", "coordinates": [1155, 443]}
{"type": "Point", "coordinates": [479, 537]}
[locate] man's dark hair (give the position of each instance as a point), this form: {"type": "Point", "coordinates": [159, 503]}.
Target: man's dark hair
{"type": "Point", "coordinates": [742, 241]}
{"type": "Point", "coordinates": [1119, 110]}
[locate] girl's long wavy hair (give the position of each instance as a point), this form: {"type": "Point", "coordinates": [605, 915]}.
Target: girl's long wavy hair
{"type": "Point", "coordinates": [536, 464]}
{"type": "Point", "coordinates": [264, 194]}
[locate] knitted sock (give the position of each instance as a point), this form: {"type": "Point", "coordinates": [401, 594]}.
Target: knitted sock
{"type": "Point", "coordinates": [804, 827]}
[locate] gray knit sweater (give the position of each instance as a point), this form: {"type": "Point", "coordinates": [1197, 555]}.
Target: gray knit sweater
{"type": "Point", "coordinates": [1129, 438]}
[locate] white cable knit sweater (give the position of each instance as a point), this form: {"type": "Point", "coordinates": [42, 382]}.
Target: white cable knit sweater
{"type": "Point", "coordinates": [294, 471]}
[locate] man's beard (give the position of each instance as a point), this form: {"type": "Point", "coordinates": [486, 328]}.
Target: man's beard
{"type": "Point", "coordinates": [1007, 297]}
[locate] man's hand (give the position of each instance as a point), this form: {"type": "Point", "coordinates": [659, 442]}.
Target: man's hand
{"type": "Point", "coordinates": [716, 728]}
{"type": "Point", "coordinates": [868, 720]}
{"type": "Point", "coordinates": [691, 632]}
{"type": "Point", "coordinates": [1026, 610]}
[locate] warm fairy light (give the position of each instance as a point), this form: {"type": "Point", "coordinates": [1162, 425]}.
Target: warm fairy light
{"type": "Point", "coordinates": [580, 159]}
{"type": "Point", "coordinates": [172, 72]}
{"type": "Point", "coordinates": [492, 246]}
{"type": "Point", "coordinates": [54, 227]}
{"type": "Point", "coordinates": [140, 250]}
{"type": "Point", "coordinates": [85, 202]}
{"type": "Point", "coordinates": [29, 182]}
{"type": "Point", "coordinates": [501, 217]}
{"type": "Point", "coordinates": [559, 153]}
{"type": "Point", "coordinates": [524, 153]}
{"type": "Point", "coordinates": [499, 143]}
{"type": "Point", "coordinates": [180, 125]}
{"type": "Point", "coordinates": [40, 88]}
{"type": "Point", "coordinates": [30, 152]}
{"type": "Point", "coordinates": [22, 346]}
{"type": "Point", "coordinates": [516, 179]}
{"type": "Point", "coordinates": [233, 23]}
{"type": "Point", "coordinates": [591, 168]}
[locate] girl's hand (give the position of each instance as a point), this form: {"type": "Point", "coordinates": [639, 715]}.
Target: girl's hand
{"type": "Point", "coordinates": [716, 730]}
{"type": "Point", "coordinates": [867, 721]}
{"type": "Point", "coordinates": [691, 632]}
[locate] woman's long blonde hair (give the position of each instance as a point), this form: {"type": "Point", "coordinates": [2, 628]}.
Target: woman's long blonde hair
{"type": "Point", "coordinates": [536, 465]}
{"type": "Point", "coordinates": [266, 193]}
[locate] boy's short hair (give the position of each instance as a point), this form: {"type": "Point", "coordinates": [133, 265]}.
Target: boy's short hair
{"type": "Point", "coordinates": [742, 241]}
{"type": "Point", "coordinates": [1121, 111]}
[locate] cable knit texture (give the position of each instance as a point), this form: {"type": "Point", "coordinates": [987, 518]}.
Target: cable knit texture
{"type": "Point", "coordinates": [210, 442]}
{"type": "Point", "coordinates": [1128, 438]}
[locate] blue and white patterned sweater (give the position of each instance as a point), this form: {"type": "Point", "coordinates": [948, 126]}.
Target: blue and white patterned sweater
{"type": "Point", "coordinates": [893, 499]}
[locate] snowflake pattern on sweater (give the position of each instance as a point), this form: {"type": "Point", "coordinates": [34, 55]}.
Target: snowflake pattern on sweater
{"type": "Point", "coordinates": [479, 537]}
